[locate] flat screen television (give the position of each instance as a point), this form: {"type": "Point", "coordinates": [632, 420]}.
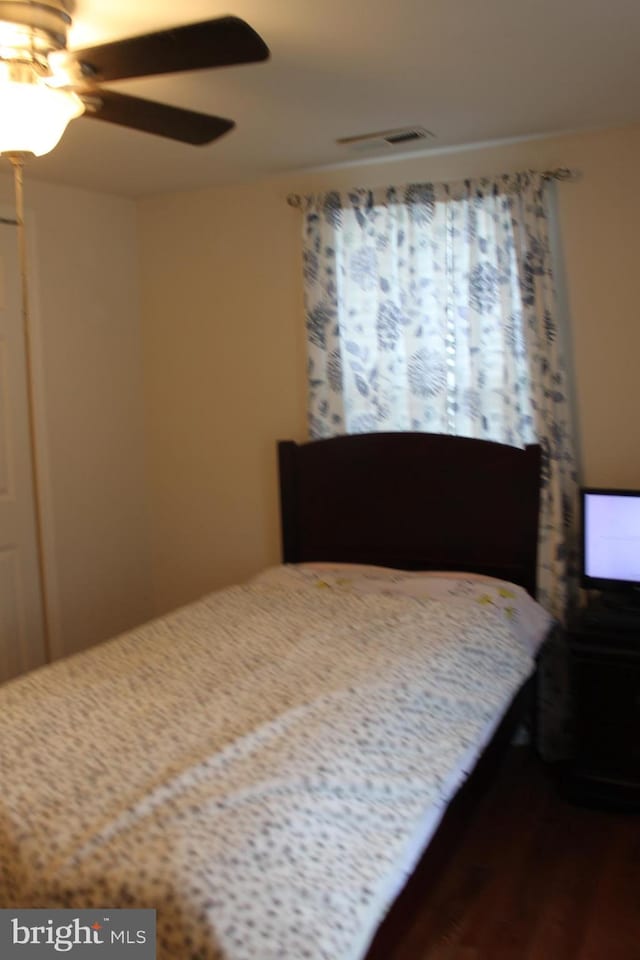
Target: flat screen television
{"type": "Point", "coordinates": [611, 542]}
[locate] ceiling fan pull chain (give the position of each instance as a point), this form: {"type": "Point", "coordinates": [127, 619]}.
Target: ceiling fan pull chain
{"type": "Point", "coordinates": [17, 162]}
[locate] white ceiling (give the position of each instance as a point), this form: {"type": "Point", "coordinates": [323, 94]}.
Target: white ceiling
{"type": "Point", "coordinates": [468, 70]}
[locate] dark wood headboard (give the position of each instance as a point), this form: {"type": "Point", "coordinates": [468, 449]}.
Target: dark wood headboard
{"type": "Point", "coordinates": [415, 501]}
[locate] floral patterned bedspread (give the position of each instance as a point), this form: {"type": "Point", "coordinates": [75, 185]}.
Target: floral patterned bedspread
{"type": "Point", "coordinates": [254, 766]}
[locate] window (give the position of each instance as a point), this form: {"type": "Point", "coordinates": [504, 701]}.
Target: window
{"type": "Point", "coordinates": [431, 307]}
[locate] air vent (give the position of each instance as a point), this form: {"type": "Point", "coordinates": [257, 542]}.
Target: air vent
{"type": "Point", "coordinates": [405, 136]}
{"type": "Point", "coordinates": [386, 139]}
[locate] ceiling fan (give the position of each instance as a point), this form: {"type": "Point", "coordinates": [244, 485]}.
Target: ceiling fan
{"type": "Point", "coordinates": [36, 65]}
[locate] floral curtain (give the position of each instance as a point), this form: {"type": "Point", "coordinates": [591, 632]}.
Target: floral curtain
{"type": "Point", "coordinates": [431, 307]}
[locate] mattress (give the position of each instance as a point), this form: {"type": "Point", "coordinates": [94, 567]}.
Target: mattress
{"type": "Point", "coordinates": [262, 767]}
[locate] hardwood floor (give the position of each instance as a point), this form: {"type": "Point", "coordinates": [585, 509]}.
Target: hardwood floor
{"type": "Point", "coordinates": [534, 878]}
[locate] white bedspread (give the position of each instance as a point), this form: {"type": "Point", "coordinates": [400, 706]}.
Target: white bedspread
{"type": "Point", "coordinates": [254, 766]}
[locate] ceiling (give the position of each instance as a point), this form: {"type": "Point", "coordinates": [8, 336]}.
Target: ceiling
{"type": "Point", "coordinates": [468, 70]}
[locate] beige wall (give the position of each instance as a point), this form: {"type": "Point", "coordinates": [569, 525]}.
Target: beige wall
{"type": "Point", "coordinates": [224, 365]}
{"type": "Point", "coordinates": [224, 373]}
{"type": "Point", "coordinates": [84, 268]}
{"type": "Point", "coordinates": [223, 341]}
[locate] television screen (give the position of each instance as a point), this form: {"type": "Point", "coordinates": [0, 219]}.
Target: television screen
{"type": "Point", "coordinates": [610, 539]}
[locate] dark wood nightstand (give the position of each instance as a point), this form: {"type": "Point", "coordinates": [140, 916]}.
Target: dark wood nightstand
{"type": "Point", "coordinates": [604, 649]}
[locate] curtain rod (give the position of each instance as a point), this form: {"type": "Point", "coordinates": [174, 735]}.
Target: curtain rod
{"type": "Point", "coordinates": [558, 173]}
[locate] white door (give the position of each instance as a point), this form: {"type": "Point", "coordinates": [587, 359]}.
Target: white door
{"type": "Point", "coordinates": [21, 622]}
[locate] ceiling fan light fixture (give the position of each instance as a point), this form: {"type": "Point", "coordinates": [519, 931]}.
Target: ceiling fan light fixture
{"type": "Point", "coordinates": [33, 115]}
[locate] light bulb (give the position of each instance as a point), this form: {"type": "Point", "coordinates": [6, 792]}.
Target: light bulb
{"type": "Point", "coordinates": [33, 116]}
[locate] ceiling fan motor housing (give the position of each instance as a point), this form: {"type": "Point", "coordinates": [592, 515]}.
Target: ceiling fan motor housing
{"type": "Point", "coordinates": [30, 31]}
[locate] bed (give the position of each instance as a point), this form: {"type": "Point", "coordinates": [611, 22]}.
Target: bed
{"type": "Point", "coordinates": [265, 767]}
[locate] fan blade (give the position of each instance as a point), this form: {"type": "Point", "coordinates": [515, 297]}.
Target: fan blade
{"type": "Point", "coordinates": [159, 118]}
{"type": "Point", "coordinates": [213, 43]}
